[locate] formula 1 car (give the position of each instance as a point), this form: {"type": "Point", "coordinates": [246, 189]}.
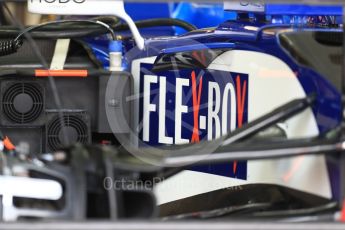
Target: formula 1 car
{"type": "Point", "coordinates": [240, 120]}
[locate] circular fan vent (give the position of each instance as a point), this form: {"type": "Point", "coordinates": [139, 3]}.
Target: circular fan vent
{"type": "Point", "coordinates": [76, 131]}
{"type": "Point", "coordinates": [23, 102]}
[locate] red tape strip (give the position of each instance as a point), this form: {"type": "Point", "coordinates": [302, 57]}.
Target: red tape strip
{"type": "Point", "coordinates": [61, 73]}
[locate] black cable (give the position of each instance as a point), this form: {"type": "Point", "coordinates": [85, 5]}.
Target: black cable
{"type": "Point", "coordinates": [157, 22]}
{"type": "Point", "coordinates": [11, 46]}
{"type": "Point", "coordinates": [77, 30]}
{"type": "Point", "coordinates": [51, 80]}
{"type": "Point", "coordinates": [35, 27]}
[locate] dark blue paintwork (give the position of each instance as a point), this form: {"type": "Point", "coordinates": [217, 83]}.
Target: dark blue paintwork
{"type": "Point", "coordinates": [216, 45]}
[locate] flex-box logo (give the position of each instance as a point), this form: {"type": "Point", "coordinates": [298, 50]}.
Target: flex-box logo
{"type": "Point", "coordinates": [190, 106]}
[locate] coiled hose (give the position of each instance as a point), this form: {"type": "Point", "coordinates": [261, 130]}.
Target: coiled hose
{"type": "Point", "coordinates": [10, 46]}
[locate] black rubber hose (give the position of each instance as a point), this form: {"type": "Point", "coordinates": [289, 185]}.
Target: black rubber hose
{"type": "Point", "coordinates": [157, 22]}
{"type": "Point", "coordinates": [82, 30]}
{"type": "Point", "coordinates": [61, 22]}
{"type": "Point", "coordinates": [77, 29]}
{"type": "Point", "coordinates": [10, 46]}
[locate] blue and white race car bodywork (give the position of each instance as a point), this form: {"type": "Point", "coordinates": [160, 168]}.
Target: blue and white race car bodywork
{"type": "Point", "coordinates": [203, 85]}
{"type": "Point", "coordinates": [244, 119]}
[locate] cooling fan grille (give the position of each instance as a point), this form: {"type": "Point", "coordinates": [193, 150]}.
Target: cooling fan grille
{"type": "Point", "coordinates": [23, 102]}
{"type": "Point", "coordinates": [76, 130]}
